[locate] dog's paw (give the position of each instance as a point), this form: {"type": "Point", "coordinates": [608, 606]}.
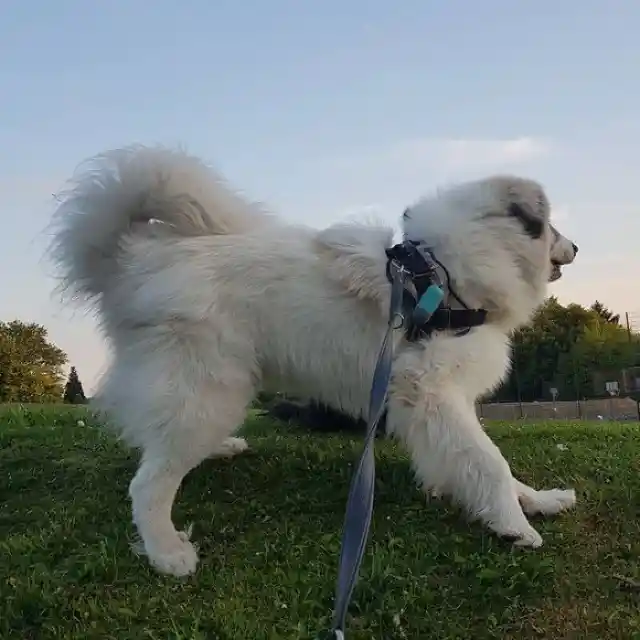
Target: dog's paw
{"type": "Point", "coordinates": [523, 535]}
{"type": "Point", "coordinates": [180, 559]}
{"type": "Point", "coordinates": [231, 447]}
{"type": "Point", "coordinates": [549, 503]}
{"type": "Point", "coordinates": [530, 538]}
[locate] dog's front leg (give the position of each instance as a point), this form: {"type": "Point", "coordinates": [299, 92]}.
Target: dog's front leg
{"type": "Point", "coordinates": [545, 502]}
{"type": "Point", "coordinates": [451, 454]}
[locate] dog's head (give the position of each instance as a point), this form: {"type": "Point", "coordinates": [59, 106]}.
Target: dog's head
{"type": "Point", "coordinates": [496, 240]}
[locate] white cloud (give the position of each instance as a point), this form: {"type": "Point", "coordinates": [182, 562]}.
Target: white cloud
{"type": "Point", "coordinates": [395, 175]}
{"type": "Point", "coordinates": [411, 167]}
{"type": "Point", "coordinates": [464, 155]}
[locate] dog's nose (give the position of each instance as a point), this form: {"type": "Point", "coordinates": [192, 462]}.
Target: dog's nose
{"type": "Point", "coordinates": [575, 248]}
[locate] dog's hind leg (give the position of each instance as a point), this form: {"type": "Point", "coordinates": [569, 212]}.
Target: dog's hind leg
{"type": "Point", "coordinates": [196, 432]}
{"type": "Point", "coordinates": [180, 407]}
{"type": "Point", "coordinates": [451, 453]}
{"type": "Point", "coordinates": [544, 502]}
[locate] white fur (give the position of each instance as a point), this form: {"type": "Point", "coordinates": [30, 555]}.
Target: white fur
{"type": "Point", "coordinates": [220, 299]}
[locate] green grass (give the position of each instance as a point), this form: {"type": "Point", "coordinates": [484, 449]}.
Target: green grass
{"type": "Point", "coordinates": [268, 525]}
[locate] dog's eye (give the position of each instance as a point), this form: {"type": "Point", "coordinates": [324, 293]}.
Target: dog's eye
{"type": "Point", "coordinates": [533, 225]}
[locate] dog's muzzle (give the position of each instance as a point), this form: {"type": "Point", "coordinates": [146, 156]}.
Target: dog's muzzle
{"type": "Point", "coordinates": [557, 264]}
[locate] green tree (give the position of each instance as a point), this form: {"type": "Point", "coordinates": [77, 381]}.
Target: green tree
{"type": "Point", "coordinates": [603, 351]}
{"type": "Point", "coordinates": [569, 348]}
{"type": "Point", "coordinates": [73, 391]}
{"type": "Point", "coordinates": [540, 348]}
{"type": "Point", "coordinates": [30, 365]}
{"type": "Point", "coordinates": [604, 313]}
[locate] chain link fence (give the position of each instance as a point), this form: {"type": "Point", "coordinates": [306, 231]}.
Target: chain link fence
{"type": "Point", "coordinates": [611, 408]}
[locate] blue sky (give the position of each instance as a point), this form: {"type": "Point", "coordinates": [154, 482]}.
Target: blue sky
{"type": "Point", "coordinates": [325, 110]}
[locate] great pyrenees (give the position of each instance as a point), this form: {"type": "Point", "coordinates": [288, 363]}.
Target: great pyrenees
{"type": "Point", "coordinates": [206, 299]}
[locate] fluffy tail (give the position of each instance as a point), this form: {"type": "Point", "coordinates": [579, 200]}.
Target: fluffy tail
{"type": "Point", "coordinates": [118, 193]}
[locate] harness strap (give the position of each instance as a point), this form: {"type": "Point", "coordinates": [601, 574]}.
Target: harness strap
{"type": "Point", "coordinates": [457, 318]}
{"type": "Point", "coordinates": [443, 319]}
{"type": "Point", "coordinates": [357, 520]}
{"type": "Point", "coordinates": [420, 268]}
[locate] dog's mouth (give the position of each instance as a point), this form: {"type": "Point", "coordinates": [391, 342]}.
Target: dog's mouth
{"type": "Point", "coordinates": [556, 271]}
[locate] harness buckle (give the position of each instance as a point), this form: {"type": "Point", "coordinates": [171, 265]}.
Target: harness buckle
{"type": "Point", "coordinates": [425, 307]}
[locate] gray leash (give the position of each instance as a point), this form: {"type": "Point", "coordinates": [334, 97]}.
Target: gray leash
{"type": "Point", "coordinates": [359, 509]}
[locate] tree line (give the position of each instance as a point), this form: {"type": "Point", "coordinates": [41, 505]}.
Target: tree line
{"type": "Point", "coordinates": [572, 349]}
{"type": "Point", "coordinates": [32, 367]}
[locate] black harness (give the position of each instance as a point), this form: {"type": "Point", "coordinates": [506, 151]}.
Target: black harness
{"type": "Point", "coordinates": [426, 311]}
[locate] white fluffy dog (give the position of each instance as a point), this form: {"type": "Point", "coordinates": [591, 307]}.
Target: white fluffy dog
{"type": "Point", "coordinates": [222, 299]}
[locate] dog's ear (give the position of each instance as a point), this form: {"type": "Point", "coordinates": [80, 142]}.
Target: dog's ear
{"type": "Point", "coordinates": [526, 201]}
{"type": "Point", "coordinates": [354, 255]}
{"type": "Point", "coordinates": [531, 222]}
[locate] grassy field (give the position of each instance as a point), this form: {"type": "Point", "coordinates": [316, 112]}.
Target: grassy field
{"type": "Point", "coordinates": [268, 525]}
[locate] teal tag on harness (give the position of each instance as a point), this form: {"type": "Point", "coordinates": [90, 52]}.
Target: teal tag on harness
{"type": "Point", "coordinates": [430, 300]}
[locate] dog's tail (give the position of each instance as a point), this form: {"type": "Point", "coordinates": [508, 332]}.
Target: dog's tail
{"type": "Point", "coordinates": [121, 193]}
